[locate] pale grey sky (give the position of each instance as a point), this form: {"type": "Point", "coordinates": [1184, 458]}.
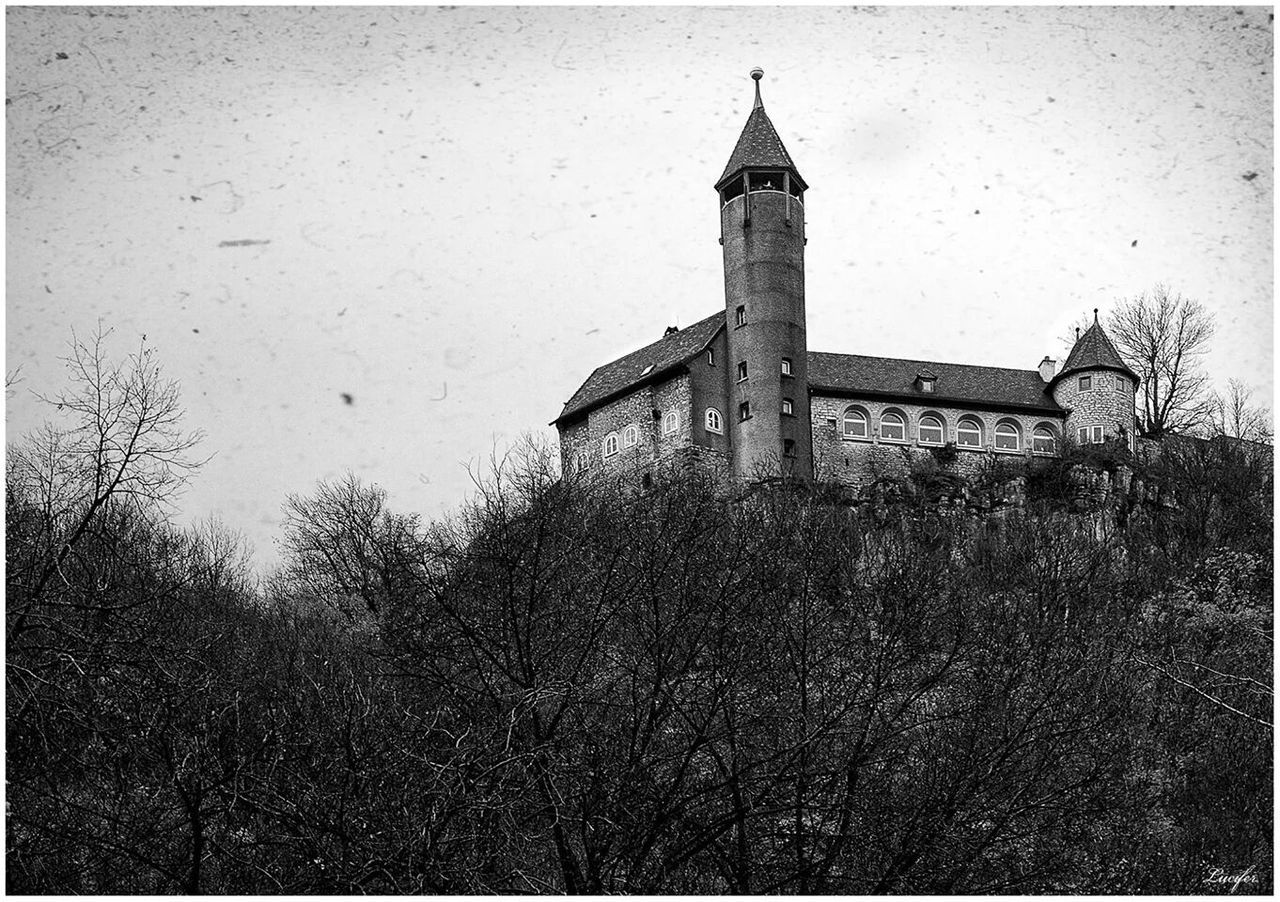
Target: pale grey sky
{"type": "Point", "coordinates": [469, 209]}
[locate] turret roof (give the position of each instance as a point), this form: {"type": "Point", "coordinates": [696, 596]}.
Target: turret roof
{"type": "Point", "coordinates": [1093, 350]}
{"type": "Point", "coordinates": [759, 146]}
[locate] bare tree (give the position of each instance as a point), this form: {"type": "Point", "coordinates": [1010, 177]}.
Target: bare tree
{"type": "Point", "coordinates": [1233, 415]}
{"type": "Point", "coordinates": [121, 442]}
{"type": "Point", "coordinates": [1162, 336]}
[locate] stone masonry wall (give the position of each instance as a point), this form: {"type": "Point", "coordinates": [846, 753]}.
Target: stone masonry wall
{"type": "Point", "coordinates": [584, 441]}
{"type": "Point", "coordinates": [859, 462]}
{"type": "Point", "coordinates": [1109, 403]}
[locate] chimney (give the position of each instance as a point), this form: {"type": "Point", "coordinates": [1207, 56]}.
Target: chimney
{"type": "Point", "coordinates": [1048, 367]}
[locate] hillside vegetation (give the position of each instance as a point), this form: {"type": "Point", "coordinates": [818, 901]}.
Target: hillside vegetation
{"type": "Point", "coordinates": [568, 687]}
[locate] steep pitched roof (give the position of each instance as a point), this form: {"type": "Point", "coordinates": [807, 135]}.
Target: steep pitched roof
{"type": "Point", "coordinates": [1093, 350]}
{"type": "Point", "coordinates": [973, 386]}
{"type": "Point", "coordinates": [643, 365]}
{"type": "Point", "coordinates": [759, 147]}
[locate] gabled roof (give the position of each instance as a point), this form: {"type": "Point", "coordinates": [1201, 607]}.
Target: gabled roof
{"type": "Point", "coordinates": [644, 365]}
{"type": "Point", "coordinates": [967, 385]}
{"type": "Point", "coordinates": [1093, 350]}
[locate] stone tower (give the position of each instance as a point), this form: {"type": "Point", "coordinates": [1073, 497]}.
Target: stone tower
{"type": "Point", "coordinates": [762, 231]}
{"type": "Point", "coordinates": [1096, 389]}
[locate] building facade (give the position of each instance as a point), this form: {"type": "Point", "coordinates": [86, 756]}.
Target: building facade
{"type": "Point", "coordinates": [741, 390]}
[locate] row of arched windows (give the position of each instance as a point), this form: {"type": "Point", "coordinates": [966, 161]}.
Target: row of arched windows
{"type": "Point", "coordinates": [629, 437]}
{"type": "Point", "coordinates": [932, 430]}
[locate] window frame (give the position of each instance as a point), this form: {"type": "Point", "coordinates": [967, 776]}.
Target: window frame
{"type": "Point", "coordinates": [1085, 383]}
{"type": "Point", "coordinates": [786, 367]}
{"type": "Point", "coordinates": [740, 316]}
{"type": "Point", "coordinates": [1040, 431]}
{"type": "Point", "coordinates": [711, 356]}
{"type": "Point", "coordinates": [902, 424]}
{"type": "Point", "coordinates": [742, 371]}
{"type": "Point", "coordinates": [616, 440]}
{"type": "Point", "coordinates": [630, 436]}
{"type": "Point", "coordinates": [744, 411]}
{"type": "Point", "coordinates": [962, 426]}
{"type": "Point", "coordinates": [866, 424]}
{"type": "Point", "coordinates": [1017, 437]}
{"type": "Point", "coordinates": [670, 422]}
{"type": "Point", "coordinates": [788, 447]}
{"type": "Point", "coordinates": [788, 407]}
{"type": "Point", "coordinates": [713, 421]}
{"type": "Point", "coordinates": [941, 428]}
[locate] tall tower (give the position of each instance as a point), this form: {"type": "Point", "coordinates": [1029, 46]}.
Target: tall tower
{"type": "Point", "coordinates": [1097, 389]}
{"type": "Point", "coordinates": [762, 230]}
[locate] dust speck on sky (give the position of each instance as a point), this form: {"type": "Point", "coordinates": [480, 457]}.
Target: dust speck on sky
{"type": "Point", "coordinates": [391, 239]}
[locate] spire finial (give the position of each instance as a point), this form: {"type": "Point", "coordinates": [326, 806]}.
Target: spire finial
{"type": "Point", "coordinates": [1077, 333]}
{"type": "Point", "coordinates": [758, 73]}
{"type": "Point", "coordinates": [1095, 316]}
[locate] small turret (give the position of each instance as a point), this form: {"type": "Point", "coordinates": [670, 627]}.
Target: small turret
{"type": "Point", "coordinates": [1096, 388]}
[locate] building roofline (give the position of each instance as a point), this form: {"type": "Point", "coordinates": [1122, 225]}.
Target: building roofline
{"type": "Point", "coordinates": [931, 400]}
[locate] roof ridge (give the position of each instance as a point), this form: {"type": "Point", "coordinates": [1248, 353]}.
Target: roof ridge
{"type": "Point", "coordinates": [986, 366]}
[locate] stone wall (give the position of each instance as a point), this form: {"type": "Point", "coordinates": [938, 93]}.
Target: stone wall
{"type": "Point", "coordinates": [584, 441]}
{"type": "Point", "coordinates": [1108, 403]}
{"type": "Point", "coordinates": [859, 462]}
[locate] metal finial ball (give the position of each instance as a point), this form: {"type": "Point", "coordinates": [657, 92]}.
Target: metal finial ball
{"type": "Point", "coordinates": [757, 74]}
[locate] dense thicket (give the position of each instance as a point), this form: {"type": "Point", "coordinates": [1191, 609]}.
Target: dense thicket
{"type": "Point", "coordinates": [571, 687]}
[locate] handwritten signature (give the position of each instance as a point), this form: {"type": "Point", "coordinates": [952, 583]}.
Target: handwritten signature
{"type": "Point", "coordinates": [1221, 876]}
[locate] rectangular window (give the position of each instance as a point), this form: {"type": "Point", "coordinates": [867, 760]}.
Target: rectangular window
{"type": "Point", "coordinates": [1122, 384]}
{"type": "Point", "coordinates": [711, 356]}
{"type": "Point", "coordinates": [742, 370]}
{"type": "Point", "coordinates": [926, 385]}
{"type": "Point", "coordinates": [1097, 435]}
{"type": "Point", "coordinates": [786, 366]}
{"type": "Point", "coordinates": [788, 447]}
{"type": "Point", "coordinates": [741, 316]}
{"type": "Point", "coordinates": [744, 410]}
{"type": "Point", "coordinates": [787, 407]}
{"type": "Point", "coordinates": [1090, 435]}
{"type": "Point", "coordinates": [1086, 383]}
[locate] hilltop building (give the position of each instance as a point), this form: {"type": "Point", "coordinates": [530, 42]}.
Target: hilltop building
{"type": "Point", "coordinates": [741, 388]}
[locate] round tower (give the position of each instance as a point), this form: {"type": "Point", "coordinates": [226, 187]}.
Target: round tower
{"type": "Point", "coordinates": [1097, 389]}
{"type": "Point", "coordinates": [762, 230]}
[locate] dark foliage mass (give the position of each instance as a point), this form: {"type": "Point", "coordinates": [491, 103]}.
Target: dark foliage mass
{"type": "Point", "coordinates": [572, 687]}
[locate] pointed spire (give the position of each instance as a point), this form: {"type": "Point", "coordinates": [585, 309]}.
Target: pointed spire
{"type": "Point", "coordinates": [759, 146]}
{"type": "Point", "coordinates": [1093, 350]}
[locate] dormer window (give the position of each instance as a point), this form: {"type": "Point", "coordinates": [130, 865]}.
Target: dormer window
{"type": "Point", "coordinates": [647, 370]}
{"type": "Point", "coordinates": [926, 382]}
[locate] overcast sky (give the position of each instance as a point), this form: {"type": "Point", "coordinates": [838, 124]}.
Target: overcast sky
{"type": "Point", "coordinates": [459, 213]}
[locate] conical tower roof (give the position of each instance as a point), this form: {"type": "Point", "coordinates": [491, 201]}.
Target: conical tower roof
{"type": "Point", "coordinates": [1093, 350]}
{"type": "Point", "coordinates": [759, 146]}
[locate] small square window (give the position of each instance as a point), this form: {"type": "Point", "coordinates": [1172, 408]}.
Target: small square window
{"type": "Point", "coordinates": [744, 410]}
{"type": "Point", "coordinates": [926, 385]}
{"type": "Point", "coordinates": [787, 407]}
{"type": "Point", "coordinates": [1086, 383]}
{"type": "Point", "coordinates": [742, 370]}
{"type": "Point", "coordinates": [741, 316]}
{"type": "Point", "coordinates": [786, 366]}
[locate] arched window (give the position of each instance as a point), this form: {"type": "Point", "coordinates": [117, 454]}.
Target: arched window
{"type": "Point", "coordinates": [611, 444]}
{"type": "Point", "coordinates": [1043, 440]}
{"type": "Point", "coordinates": [714, 422]}
{"type": "Point", "coordinates": [580, 462]}
{"type": "Point", "coordinates": [893, 427]}
{"type": "Point", "coordinates": [670, 422]}
{"type": "Point", "coordinates": [1008, 438]}
{"type": "Point", "coordinates": [630, 436]}
{"type": "Point", "coordinates": [931, 431]}
{"type": "Point", "coordinates": [969, 433]}
{"type": "Point", "coordinates": [855, 423]}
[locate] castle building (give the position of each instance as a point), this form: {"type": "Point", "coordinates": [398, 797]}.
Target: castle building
{"type": "Point", "coordinates": [742, 390]}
